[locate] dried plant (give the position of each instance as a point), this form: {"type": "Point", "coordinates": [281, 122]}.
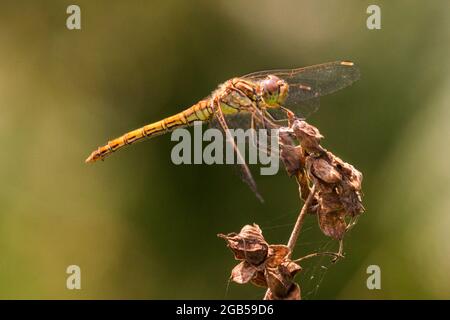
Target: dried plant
{"type": "Point", "coordinates": [330, 189]}
{"type": "Point", "coordinates": [262, 264]}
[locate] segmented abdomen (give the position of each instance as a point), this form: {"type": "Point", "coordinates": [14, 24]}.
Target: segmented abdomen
{"type": "Point", "coordinates": [202, 111]}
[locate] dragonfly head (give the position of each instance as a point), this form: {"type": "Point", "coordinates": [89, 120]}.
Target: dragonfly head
{"type": "Point", "coordinates": [274, 91]}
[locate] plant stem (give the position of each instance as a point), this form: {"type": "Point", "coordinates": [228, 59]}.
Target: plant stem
{"type": "Point", "coordinates": [297, 227]}
{"type": "Point", "coordinates": [299, 223]}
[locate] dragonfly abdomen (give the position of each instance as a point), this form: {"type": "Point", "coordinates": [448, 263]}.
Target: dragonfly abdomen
{"type": "Point", "coordinates": [202, 111]}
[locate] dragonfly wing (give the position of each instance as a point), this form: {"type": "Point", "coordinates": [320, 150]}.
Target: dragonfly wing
{"type": "Point", "coordinates": [221, 123]}
{"type": "Point", "coordinates": [240, 120]}
{"type": "Point", "coordinates": [256, 120]}
{"type": "Point", "coordinates": [307, 84]}
{"type": "Point", "coordinates": [301, 108]}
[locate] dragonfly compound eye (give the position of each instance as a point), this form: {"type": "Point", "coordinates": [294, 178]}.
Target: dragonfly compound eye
{"type": "Point", "coordinates": [274, 90]}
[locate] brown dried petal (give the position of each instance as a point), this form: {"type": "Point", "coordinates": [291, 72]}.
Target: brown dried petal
{"type": "Point", "coordinates": [248, 245]}
{"type": "Point", "coordinates": [305, 130]}
{"type": "Point", "coordinates": [292, 268]}
{"type": "Point", "coordinates": [259, 279]}
{"type": "Point", "coordinates": [243, 272]}
{"type": "Point", "coordinates": [328, 202]}
{"type": "Point", "coordinates": [278, 282]}
{"type": "Point", "coordinates": [354, 181]}
{"type": "Point", "coordinates": [293, 294]}
{"type": "Point", "coordinates": [325, 171]}
{"type": "Point", "coordinates": [252, 232]}
{"type": "Point", "coordinates": [277, 254]}
{"type": "Point", "coordinates": [351, 201]}
{"type": "Point", "coordinates": [352, 176]}
{"type": "Point", "coordinates": [291, 157]}
{"type": "Point", "coordinates": [285, 136]}
{"type": "Point", "coordinates": [308, 135]}
{"type": "Point", "coordinates": [333, 224]}
{"type": "Point", "coordinates": [280, 279]}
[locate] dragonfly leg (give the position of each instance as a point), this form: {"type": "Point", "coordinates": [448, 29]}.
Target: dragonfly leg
{"type": "Point", "coordinates": [247, 176]}
{"type": "Point", "coordinates": [253, 134]}
{"type": "Point", "coordinates": [259, 118]}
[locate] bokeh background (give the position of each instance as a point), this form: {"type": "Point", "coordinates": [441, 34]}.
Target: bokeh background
{"type": "Point", "coordinates": [139, 226]}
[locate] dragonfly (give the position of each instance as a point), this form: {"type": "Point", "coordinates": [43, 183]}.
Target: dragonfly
{"type": "Point", "coordinates": [261, 99]}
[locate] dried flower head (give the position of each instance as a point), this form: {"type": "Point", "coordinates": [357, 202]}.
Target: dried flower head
{"type": "Point", "coordinates": [262, 264]}
{"type": "Point", "coordinates": [337, 183]}
{"type": "Point", "coordinates": [248, 244]}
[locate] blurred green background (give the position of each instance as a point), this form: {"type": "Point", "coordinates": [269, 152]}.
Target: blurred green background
{"type": "Point", "coordinates": [141, 227]}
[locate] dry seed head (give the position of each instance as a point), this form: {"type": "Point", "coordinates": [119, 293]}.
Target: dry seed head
{"type": "Point", "coordinates": [276, 271]}
{"type": "Point", "coordinates": [248, 245]}
{"type": "Point", "coordinates": [338, 184]}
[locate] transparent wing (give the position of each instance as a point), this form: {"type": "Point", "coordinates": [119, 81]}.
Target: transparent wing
{"type": "Point", "coordinates": [301, 108]}
{"type": "Point", "coordinates": [256, 141]}
{"type": "Point", "coordinates": [257, 120]}
{"type": "Point", "coordinates": [240, 120]}
{"type": "Point", "coordinates": [237, 121]}
{"type": "Point", "coordinates": [307, 84]}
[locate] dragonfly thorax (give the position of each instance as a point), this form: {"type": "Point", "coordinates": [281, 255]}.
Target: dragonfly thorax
{"type": "Point", "coordinates": [236, 95]}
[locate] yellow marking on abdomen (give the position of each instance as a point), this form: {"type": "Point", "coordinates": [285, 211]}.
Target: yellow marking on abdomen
{"type": "Point", "coordinates": [201, 111]}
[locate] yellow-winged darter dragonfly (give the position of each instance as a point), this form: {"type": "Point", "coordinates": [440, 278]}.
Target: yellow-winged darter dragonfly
{"type": "Point", "coordinates": [257, 100]}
